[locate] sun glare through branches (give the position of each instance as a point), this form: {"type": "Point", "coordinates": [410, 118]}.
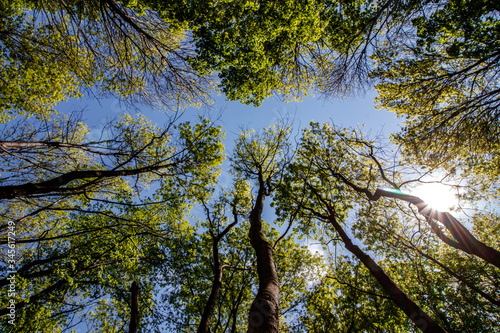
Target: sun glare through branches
{"type": "Point", "coordinates": [438, 196]}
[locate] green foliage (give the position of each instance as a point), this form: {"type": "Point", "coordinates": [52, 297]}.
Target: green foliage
{"type": "Point", "coordinates": [348, 298]}
{"type": "Point", "coordinates": [81, 250]}
{"type": "Point", "coordinates": [81, 244]}
{"type": "Point", "coordinates": [333, 173]}
{"type": "Point", "coordinates": [444, 281]}
{"type": "Point", "coordinates": [463, 29]}
{"type": "Point", "coordinates": [33, 81]}
{"type": "Point", "coordinates": [91, 254]}
{"type": "Point", "coordinates": [324, 155]}
{"type": "Point", "coordinates": [186, 297]}
{"type": "Point", "coordinates": [253, 46]}
{"type": "Point", "coordinates": [55, 51]}
{"type": "Point", "coordinates": [443, 81]}
{"type": "Point", "coordinates": [277, 47]}
{"type": "Point", "coordinates": [261, 157]}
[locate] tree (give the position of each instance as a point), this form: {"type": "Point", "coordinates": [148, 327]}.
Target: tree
{"type": "Point", "coordinates": [442, 78]}
{"type": "Point", "coordinates": [134, 308]}
{"type": "Point", "coordinates": [336, 169]}
{"type": "Point", "coordinates": [101, 246]}
{"type": "Point", "coordinates": [93, 216]}
{"type": "Point", "coordinates": [32, 82]}
{"type": "Point", "coordinates": [81, 240]}
{"type": "Point", "coordinates": [347, 299]}
{"type": "Point", "coordinates": [260, 158]}
{"type": "Point", "coordinates": [225, 287]}
{"type": "Point", "coordinates": [44, 160]}
{"type": "Point", "coordinates": [460, 238]}
{"type": "Point", "coordinates": [239, 203]}
{"type": "Point", "coordinates": [284, 48]}
{"type": "Point", "coordinates": [264, 49]}
{"type": "Point", "coordinates": [55, 50]}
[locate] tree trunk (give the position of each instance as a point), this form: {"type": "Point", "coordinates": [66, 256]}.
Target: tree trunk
{"type": "Point", "coordinates": [208, 311]}
{"type": "Point", "coordinates": [264, 312]}
{"type": "Point", "coordinates": [463, 239]}
{"type": "Point", "coordinates": [54, 184]}
{"type": "Point", "coordinates": [425, 323]}
{"type": "Point", "coordinates": [134, 308]}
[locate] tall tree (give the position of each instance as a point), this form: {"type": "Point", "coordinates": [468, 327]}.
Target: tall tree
{"type": "Point", "coordinates": [441, 77]}
{"type": "Point", "coordinates": [93, 215]}
{"type": "Point", "coordinates": [186, 300]}
{"type": "Point", "coordinates": [218, 228]}
{"type": "Point", "coordinates": [348, 298]}
{"type": "Point", "coordinates": [55, 50]}
{"type": "Point", "coordinates": [80, 240]}
{"type": "Point", "coordinates": [261, 158]}
{"type": "Point", "coordinates": [328, 163]}
{"type": "Point", "coordinates": [284, 48]}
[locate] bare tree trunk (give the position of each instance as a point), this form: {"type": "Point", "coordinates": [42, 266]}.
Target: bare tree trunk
{"type": "Point", "coordinates": [208, 311]}
{"type": "Point", "coordinates": [425, 323]}
{"type": "Point", "coordinates": [54, 184]}
{"type": "Point", "coordinates": [463, 239]}
{"type": "Point", "coordinates": [264, 312]}
{"type": "Point", "coordinates": [134, 308]}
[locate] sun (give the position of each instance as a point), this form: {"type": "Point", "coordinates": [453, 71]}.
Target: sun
{"type": "Point", "coordinates": [438, 196]}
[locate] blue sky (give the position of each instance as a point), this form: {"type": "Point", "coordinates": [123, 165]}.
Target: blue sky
{"type": "Point", "coordinates": [356, 111]}
{"type": "Point", "coordinates": [233, 116]}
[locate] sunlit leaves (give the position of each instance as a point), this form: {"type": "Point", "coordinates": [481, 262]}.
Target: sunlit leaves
{"type": "Point", "coordinates": [261, 156]}
{"type": "Point", "coordinates": [348, 298]}
{"type": "Point", "coordinates": [81, 246]}
{"type": "Point", "coordinates": [443, 80]}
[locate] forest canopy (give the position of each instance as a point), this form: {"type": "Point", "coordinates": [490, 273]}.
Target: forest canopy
{"type": "Point", "coordinates": [134, 230]}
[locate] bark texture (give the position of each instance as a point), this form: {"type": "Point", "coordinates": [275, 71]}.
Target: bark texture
{"type": "Point", "coordinates": [463, 239]}
{"type": "Point", "coordinates": [55, 184]}
{"type": "Point", "coordinates": [264, 312]}
{"type": "Point", "coordinates": [425, 323]}
{"type": "Point", "coordinates": [208, 311]}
